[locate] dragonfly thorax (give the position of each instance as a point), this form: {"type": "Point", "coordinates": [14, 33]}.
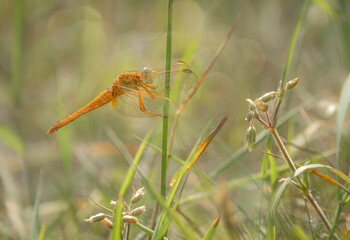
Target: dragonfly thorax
{"type": "Point", "coordinates": [148, 75]}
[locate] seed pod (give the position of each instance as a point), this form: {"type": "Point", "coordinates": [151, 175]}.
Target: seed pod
{"type": "Point", "coordinates": [130, 219]}
{"type": "Point", "coordinates": [138, 195]}
{"type": "Point", "coordinates": [267, 97]}
{"type": "Point", "coordinates": [251, 136]}
{"type": "Point", "coordinates": [96, 218]}
{"type": "Point", "coordinates": [138, 211]}
{"type": "Point", "coordinates": [252, 105]}
{"type": "Point", "coordinates": [292, 83]}
{"type": "Point", "coordinates": [108, 223]}
{"type": "Point", "coordinates": [249, 116]}
{"type": "Point", "coordinates": [261, 105]}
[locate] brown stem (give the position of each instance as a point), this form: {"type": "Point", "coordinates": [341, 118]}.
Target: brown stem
{"type": "Point", "coordinates": [274, 119]}
{"type": "Point", "coordinates": [305, 190]}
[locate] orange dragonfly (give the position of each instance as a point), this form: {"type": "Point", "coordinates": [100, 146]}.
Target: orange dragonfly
{"type": "Point", "coordinates": [134, 93]}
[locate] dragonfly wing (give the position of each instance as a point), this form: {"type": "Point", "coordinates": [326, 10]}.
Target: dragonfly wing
{"type": "Point", "coordinates": [128, 104]}
{"type": "Point", "coordinates": [180, 80]}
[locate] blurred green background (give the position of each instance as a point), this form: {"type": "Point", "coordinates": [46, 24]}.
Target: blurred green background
{"type": "Point", "coordinates": [55, 56]}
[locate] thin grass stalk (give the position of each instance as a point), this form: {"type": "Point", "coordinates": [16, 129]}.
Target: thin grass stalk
{"type": "Point", "coordinates": [166, 103]}
{"type": "Point", "coordinates": [289, 57]}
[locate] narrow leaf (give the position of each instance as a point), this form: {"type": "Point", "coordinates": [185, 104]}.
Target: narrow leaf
{"type": "Point", "coordinates": [200, 149]}
{"type": "Point", "coordinates": [211, 231]}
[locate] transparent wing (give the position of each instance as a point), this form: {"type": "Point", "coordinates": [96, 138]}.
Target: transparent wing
{"type": "Point", "coordinates": [128, 104]}
{"type": "Point", "coordinates": [180, 78]}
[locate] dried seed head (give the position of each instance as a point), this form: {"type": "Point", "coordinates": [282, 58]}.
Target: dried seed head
{"type": "Point", "coordinates": [96, 218]}
{"type": "Point", "coordinates": [138, 195]}
{"type": "Point", "coordinates": [292, 83]}
{"type": "Point", "coordinates": [108, 223]}
{"type": "Point", "coordinates": [138, 211]}
{"type": "Point", "coordinates": [263, 107]}
{"type": "Point", "coordinates": [250, 115]}
{"type": "Point", "coordinates": [251, 136]}
{"type": "Point", "coordinates": [130, 219]}
{"type": "Point", "coordinates": [267, 97]}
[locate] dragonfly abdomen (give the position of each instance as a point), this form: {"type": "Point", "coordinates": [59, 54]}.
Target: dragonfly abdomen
{"type": "Point", "coordinates": [103, 98]}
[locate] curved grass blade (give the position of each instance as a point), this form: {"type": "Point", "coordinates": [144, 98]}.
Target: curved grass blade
{"type": "Point", "coordinates": [279, 193]}
{"type": "Point", "coordinates": [211, 231]}
{"type": "Point", "coordinates": [179, 160]}
{"type": "Point", "coordinates": [199, 150]}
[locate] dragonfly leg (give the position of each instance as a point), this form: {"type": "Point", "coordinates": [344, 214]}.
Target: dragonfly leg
{"type": "Point", "coordinates": [150, 86]}
{"type": "Point", "coordinates": [152, 95]}
{"type": "Point", "coordinates": [143, 108]}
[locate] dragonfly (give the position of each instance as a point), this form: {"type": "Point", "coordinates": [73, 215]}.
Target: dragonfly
{"type": "Point", "coordinates": [135, 93]}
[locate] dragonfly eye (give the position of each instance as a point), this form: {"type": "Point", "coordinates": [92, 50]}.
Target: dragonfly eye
{"type": "Point", "coordinates": [148, 74]}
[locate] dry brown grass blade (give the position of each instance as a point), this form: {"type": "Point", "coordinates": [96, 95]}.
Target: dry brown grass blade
{"type": "Point", "coordinates": [207, 69]}
{"type": "Point", "coordinates": [200, 149]}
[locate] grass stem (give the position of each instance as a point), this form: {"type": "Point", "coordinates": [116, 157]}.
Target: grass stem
{"type": "Point", "coordinates": [166, 103]}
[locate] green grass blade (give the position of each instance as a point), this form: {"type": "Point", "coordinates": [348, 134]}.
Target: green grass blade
{"type": "Point", "coordinates": [179, 160]}
{"type": "Point", "coordinates": [211, 231]}
{"type": "Point", "coordinates": [163, 185]}
{"type": "Point", "coordinates": [167, 223]}
{"type": "Point", "coordinates": [279, 193]}
{"type": "Point", "coordinates": [117, 221]}
{"type": "Point", "coordinates": [34, 231]}
{"type": "Point", "coordinates": [294, 39]}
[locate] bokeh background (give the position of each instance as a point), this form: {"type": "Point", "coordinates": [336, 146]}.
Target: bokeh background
{"type": "Point", "coordinates": [55, 56]}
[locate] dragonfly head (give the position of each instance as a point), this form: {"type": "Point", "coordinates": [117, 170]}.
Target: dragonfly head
{"type": "Point", "coordinates": [148, 74]}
